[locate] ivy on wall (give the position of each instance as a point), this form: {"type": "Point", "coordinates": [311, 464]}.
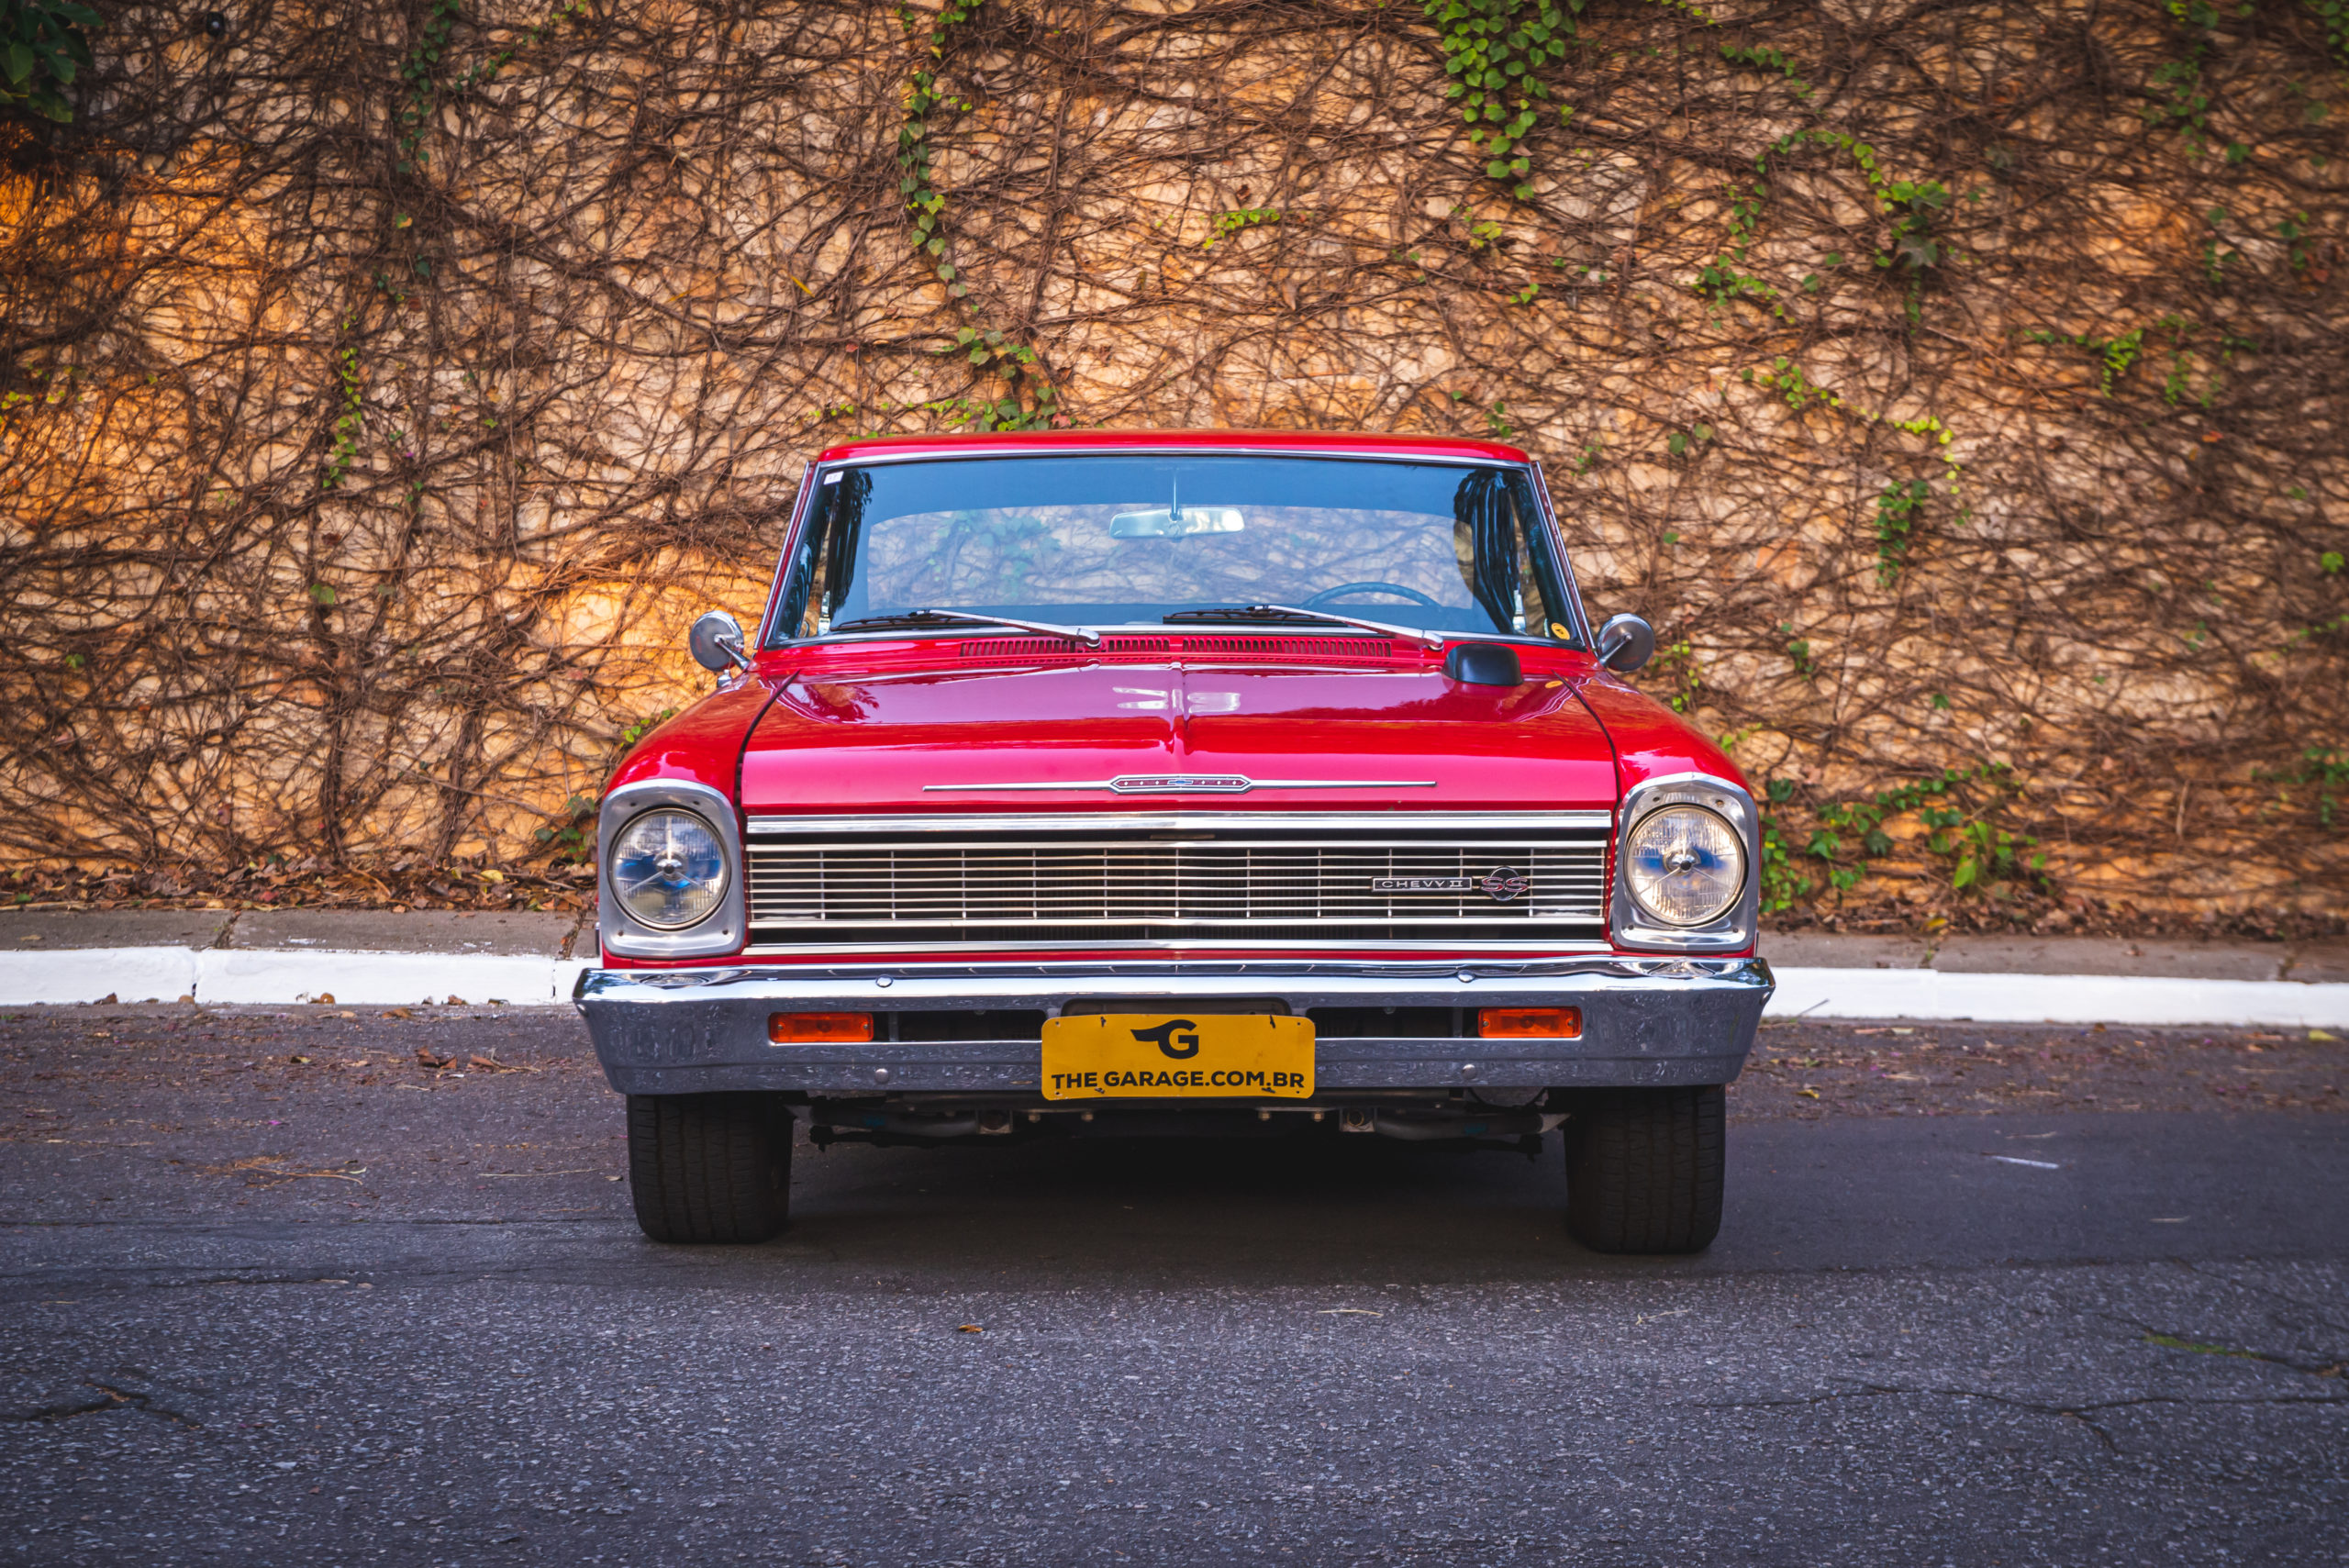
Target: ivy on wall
{"type": "Point", "coordinates": [44, 46]}
{"type": "Point", "coordinates": [1028, 401]}
{"type": "Point", "coordinates": [1925, 442]}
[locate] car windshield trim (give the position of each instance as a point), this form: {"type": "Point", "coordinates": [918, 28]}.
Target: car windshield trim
{"type": "Point", "coordinates": [835, 576]}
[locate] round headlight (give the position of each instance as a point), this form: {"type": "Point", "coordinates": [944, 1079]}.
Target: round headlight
{"type": "Point", "coordinates": [669, 869]}
{"type": "Point", "coordinates": [1685, 865]}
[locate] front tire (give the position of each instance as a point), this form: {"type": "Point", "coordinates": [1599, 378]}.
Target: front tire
{"type": "Point", "coordinates": [709, 1168]}
{"type": "Point", "coordinates": [1644, 1168]}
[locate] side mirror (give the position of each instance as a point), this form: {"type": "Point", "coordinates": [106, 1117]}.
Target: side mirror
{"type": "Point", "coordinates": [716, 643]}
{"type": "Point", "coordinates": [1625, 643]}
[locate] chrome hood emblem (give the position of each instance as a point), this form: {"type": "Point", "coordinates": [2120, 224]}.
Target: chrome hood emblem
{"type": "Point", "coordinates": [1183, 783]}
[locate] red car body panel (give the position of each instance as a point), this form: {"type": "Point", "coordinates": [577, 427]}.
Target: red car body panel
{"type": "Point", "coordinates": [701, 745]}
{"type": "Point", "coordinates": [1650, 740]}
{"type": "Point", "coordinates": [847, 734]}
{"type": "Point", "coordinates": [864, 726]}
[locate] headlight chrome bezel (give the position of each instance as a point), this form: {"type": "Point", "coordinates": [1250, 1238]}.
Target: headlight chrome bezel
{"type": "Point", "coordinates": [1630, 923]}
{"type": "Point", "coordinates": [723, 929]}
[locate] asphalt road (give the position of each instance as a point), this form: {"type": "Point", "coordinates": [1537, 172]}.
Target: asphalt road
{"type": "Point", "coordinates": [255, 1310]}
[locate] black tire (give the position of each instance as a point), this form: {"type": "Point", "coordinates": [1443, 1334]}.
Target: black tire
{"type": "Point", "coordinates": [1644, 1169]}
{"type": "Point", "coordinates": [709, 1168]}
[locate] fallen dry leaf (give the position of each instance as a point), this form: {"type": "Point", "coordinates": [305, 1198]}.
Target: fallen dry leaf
{"type": "Point", "coordinates": [424, 1058]}
{"type": "Point", "coordinates": [262, 1169]}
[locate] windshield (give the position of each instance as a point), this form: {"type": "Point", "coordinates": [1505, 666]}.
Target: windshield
{"type": "Point", "coordinates": [1133, 539]}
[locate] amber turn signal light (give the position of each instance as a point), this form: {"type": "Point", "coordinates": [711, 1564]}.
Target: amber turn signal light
{"type": "Point", "coordinates": [819, 1028]}
{"type": "Point", "coordinates": [1529, 1023]}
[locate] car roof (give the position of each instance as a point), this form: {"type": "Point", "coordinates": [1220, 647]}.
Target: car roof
{"type": "Point", "coordinates": [1333, 443]}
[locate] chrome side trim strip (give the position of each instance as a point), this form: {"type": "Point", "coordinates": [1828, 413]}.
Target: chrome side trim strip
{"type": "Point", "coordinates": [1221, 944]}
{"type": "Point", "coordinates": [1175, 821]}
{"type": "Point", "coordinates": [1085, 976]}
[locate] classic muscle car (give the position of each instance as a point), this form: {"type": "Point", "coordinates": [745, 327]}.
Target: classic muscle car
{"type": "Point", "coordinates": [1092, 784]}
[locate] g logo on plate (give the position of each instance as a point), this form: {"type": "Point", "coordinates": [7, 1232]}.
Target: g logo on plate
{"type": "Point", "coordinates": [1180, 1046]}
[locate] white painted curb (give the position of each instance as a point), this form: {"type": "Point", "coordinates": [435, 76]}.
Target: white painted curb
{"type": "Point", "coordinates": [276, 977]}
{"type": "Point", "coordinates": [233, 974]}
{"type": "Point", "coordinates": [84, 974]}
{"type": "Point", "coordinates": [2054, 999]}
{"type": "Point", "coordinates": [270, 976]}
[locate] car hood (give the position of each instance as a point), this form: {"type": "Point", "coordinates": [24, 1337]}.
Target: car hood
{"type": "Point", "coordinates": [1055, 737]}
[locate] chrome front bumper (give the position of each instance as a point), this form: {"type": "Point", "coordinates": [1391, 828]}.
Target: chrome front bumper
{"type": "Point", "coordinates": [1645, 1021]}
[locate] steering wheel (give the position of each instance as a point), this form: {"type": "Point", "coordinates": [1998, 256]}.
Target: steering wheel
{"type": "Point", "coordinates": [1344, 588]}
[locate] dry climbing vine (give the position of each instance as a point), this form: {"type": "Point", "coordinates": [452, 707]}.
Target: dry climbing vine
{"type": "Point", "coordinates": [1956, 385]}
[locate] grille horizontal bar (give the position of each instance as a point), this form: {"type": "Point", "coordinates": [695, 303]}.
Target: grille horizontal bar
{"type": "Point", "coordinates": [1223, 882]}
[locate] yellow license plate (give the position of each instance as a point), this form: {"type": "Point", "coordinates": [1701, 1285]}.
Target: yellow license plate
{"type": "Point", "coordinates": [1099, 1056]}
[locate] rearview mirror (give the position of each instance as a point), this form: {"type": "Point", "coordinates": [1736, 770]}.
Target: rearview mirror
{"type": "Point", "coordinates": [1169, 524]}
{"type": "Point", "coordinates": [1625, 643]}
{"type": "Point", "coordinates": [716, 643]}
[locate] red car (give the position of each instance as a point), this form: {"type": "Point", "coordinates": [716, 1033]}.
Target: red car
{"type": "Point", "coordinates": [1210, 782]}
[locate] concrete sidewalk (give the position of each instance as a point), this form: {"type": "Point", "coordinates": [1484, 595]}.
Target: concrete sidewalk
{"type": "Point", "coordinates": [274, 957]}
{"type": "Point", "coordinates": [2148, 957]}
{"type": "Point", "coordinates": [291, 955]}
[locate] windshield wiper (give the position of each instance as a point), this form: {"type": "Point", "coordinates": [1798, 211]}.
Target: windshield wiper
{"type": "Point", "coordinates": [961, 618]}
{"type": "Point", "coordinates": [1310, 618]}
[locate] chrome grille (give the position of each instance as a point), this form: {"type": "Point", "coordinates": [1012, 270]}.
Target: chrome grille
{"type": "Point", "coordinates": [1177, 877]}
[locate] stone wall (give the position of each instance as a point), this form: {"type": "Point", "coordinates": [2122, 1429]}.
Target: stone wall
{"type": "Point", "coordinates": [1957, 385]}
